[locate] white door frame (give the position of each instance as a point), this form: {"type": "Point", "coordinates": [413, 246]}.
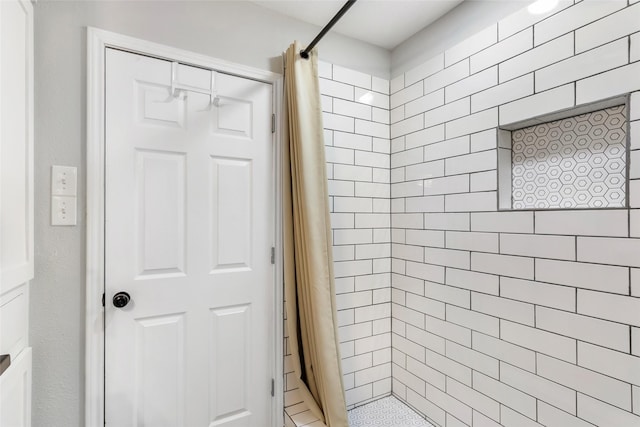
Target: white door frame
{"type": "Point", "coordinates": [97, 43]}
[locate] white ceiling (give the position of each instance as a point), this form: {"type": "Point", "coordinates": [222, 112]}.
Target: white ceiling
{"type": "Point", "coordinates": [384, 23]}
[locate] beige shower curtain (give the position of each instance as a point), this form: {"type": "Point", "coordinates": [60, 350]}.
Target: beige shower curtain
{"type": "Point", "coordinates": [308, 261]}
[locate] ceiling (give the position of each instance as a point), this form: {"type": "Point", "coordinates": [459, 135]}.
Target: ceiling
{"type": "Point", "coordinates": [384, 23]}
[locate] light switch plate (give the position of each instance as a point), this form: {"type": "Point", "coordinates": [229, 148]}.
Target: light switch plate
{"type": "Point", "coordinates": [64, 181]}
{"type": "Point", "coordinates": [63, 210]}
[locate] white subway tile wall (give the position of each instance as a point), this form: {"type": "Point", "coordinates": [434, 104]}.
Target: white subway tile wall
{"type": "Point", "coordinates": [514, 318]}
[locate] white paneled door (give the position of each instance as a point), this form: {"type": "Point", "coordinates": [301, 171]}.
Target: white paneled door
{"type": "Point", "coordinates": [189, 228]}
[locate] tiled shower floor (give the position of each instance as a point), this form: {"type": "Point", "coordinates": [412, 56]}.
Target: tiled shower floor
{"type": "Point", "coordinates": [386, 412]}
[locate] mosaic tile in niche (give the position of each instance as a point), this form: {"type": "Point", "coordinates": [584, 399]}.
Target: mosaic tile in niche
{"type": "Point", "coordinates": [577, 162]}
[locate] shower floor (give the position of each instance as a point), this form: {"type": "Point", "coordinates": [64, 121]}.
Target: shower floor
{"type": "Point", "coordinates": [386, 412]}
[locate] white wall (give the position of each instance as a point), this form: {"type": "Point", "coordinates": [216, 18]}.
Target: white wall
{"type": "Point", "coordinates": [518, 318]}
{"type": "Point", "coordinates": [234, 31]}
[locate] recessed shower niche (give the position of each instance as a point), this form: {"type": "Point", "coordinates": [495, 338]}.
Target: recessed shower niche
{"type": "Point", "coordinates": [575, 161]}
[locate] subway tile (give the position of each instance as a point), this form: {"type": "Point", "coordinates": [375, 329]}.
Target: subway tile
{"type": "Point", "coordinates": [511, 418]}
{"type": "Point", "coordinates": [425, 69]}
{"type": "Point", "coordinates": [476, 122]}
{"type": "Point", "coordinates": [408, 284]}
{"type": "Point", "coordinates": [503, 308]}
{"type": "Point", "coordinates": [352, 77]}
{"type": "Point", "coordinates": [380, 250]}
{"type": "Point", "coordinates": [406, 252]}
{"type": "Point", "coordinates": [584, 65]}
{"type": "Point", "coordinates": [612, 83]}
{"type": "Point", "coordinates": [424, 137]}
{"type": "Point", "coordinates": [352, 173]}
{"type": "Point", "coordinates": [447, 294]}
{"type": "Point", "coordinates": [325, 70]}
{"type": "Point", "coordinates": [358, 394]}
{"type": "Point", "coordinates": [374, 99]}
{"type": "Point", "coordinates": [585, 381]}
{"type": "Point", "coordinates": [503, 50]}
{"type": "Point", "coordinates": [382, 145]}
{"type": "Point", "coordinates": [425, 238]}
{"type": "Point", "coordinates": [472, 280]}
{"type": "Point", "coordinates": [447, 257]}
{"type": "Point", "coordinates": [426, 306]}
{"type": "Point", "coordinates": [380, 85]}
{"type": "Point", "coordinates": [635, 282]}
{"type": "Point", "coordinates": [446, 221]}
{"type": "Point", "coordinates": [472, 398]}
{"type": "Point", "coordinates": [353, 332]}
{"type": "Point", "coordinates": [617, 308]}
{"type": "Point", "coordinates": [352, 204]}
{"type": "Point", "coordinates": [425, 204]}
{"type": "Point", "coordinates": [634, 221]}
{"type": "Point", "coordinates": [327, 106]}
{"type": "Point", "coordinates": [541, 388]}
{"type": "Point", "coordinates": [424, 170]}
{"type": "Point", "coordinates": [407, 157]}
{"type": "Point", "coordinates": [378, 130]}
{"type": "Point", "coordinates": [351, 109]}
{"type": "Point", "coordinates": [582, 275]}
{"type": "Point", "coordinates": [447, 112]}
{"type": "Point", "coordinates": [448, 148]}
{"type": "Point", "coordinates": [432, 411]}
{"type": "Point", "coordinates": [397, 114]}
{"type": "Point", "coordinates": [366, 220]}
{"type": "Point", "coordinates": [473, 44]}
{"type": "Point", "coordinates": [341, 188]}
{"type": "Point", "coordinates": [472, 84]}
{"type": "Point", "coordinates": [634, 167]}
{"type": "Point", "coordinates": [396, 84]}
{"type": "Point", "coordinates": [611, 223]}
{"type": "Point", "coordinates": [477, 361]}
{"type": "Point", "coordinates": [424, 373]}
{"type": "Point", "coordinates": [352, 237]}
{"type": "Point", "coordinates": [372, 281]}
{"type": "Point", "coordinates": [473, 320]}
{"type": "Point", "coordinates": [336, 122]}
{"type": "Point", "coordinates": [408, 315]}
{"type": "Point", "coordinates": [480, 420]}
{"type": "Point", "coordinates": [336, 89]}
{"type": "Point", "coordinates": [504, 265]}
{"type": "Point", "coordinates": [502, 350]}
{"type": "Point", "coordinates": [405, 95]}
{"type": "Point", "coordinates": [551, 416]}
{"type": "Point", "coordinates": [574, 17]}
{"type": "Point", "coordinates": [449, 75]}
{"type": "Point", "coordinates": [376, 160]}
{"type": "Point", "coordinates": [375, 373]}
{"type": "Point", "coordinates": [522, 19]}
{"type": "Point", "coordinates": [475, 162]}
{"type": "Point", "coordinates": [351, 268]}
{"type": "Point", "coordinates": [539, 104]}
{"type": "Point", "coordinates": [343, 253]}
{"type": "Point", "coordinates": [602, 414]}
{"type": "Point", "coordinates": [352, 140]}
{"type": "Point", "coordinates": [557, 247]}
{"type": "Point", "coordinates": [549, 53]}
{"type": "Point", "coordinates": [449, 331]}
{"type": "Point", "coordinates": [407, 220]}
{"type": "Point", "coordinates": [339, 155]}
{"type": "Point", "coordinates": [471, 202]}
{"type": "Point", "coordinates": [634, 51]}
{"type": "Point", "coordinates": [611, 27]}
{"type": "Point", "coordinates": [449, 367]}
{"type": "Point", "coordinates": [584, 328]}
{"type": "Point", "coordinates": [424, 103]}
{"type": "Point", "coordinates": [472, 241]}
{"type": "Point", "coordinates": [538, 293]}
{"type": "Point", "coordinates": [505, 394]}
{"type": "Point", "coordinates": [352, 364]}
{"type": "Point", "coordinates": [634, 190]}
{"type": "Point", "coordinates": [503, 222]}
{"type": "Point", "coordinates": [618, 365]}
{"type": "Point", "coordinates": [485, 140]}
{"type": "Point", "coordinates": [407, 126]}
{"type": "Point", "coordinates": [634, 113]}
{"type": "Point", "coordinates": [425, 339]}
{"type": "Point", "coordinates": [484, 181]}
{"type": "Point", "coordinates": [609, 251]}
{"type": "Point", "coordinates": [503, 93]}
{"type": "Point", "coordinates": [433, 273]}
{"type": "Point", "coordinates": [406, 189]}
{"type": "Point", "coordinates": [540, 341]}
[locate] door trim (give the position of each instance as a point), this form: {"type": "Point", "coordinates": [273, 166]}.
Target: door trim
{"type": "Point", "coordinates": [97, 43]}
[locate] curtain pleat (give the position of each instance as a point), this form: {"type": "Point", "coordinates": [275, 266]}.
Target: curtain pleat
{"type": "Point", "coordinates": [308, 261]}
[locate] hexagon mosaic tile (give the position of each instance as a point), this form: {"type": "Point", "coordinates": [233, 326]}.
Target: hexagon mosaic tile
{"type": "Point", "coordinates": [386, 412]}
{"type": "Point", "coordinates": [577, 162]}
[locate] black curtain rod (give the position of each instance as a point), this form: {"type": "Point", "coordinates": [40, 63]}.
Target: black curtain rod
{"type": "Point", "coordinates": [325, 30]}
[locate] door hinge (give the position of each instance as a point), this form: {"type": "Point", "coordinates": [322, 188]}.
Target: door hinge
{"type": "Point", "coordinates": [273, 387]}
{"type": "Point", "coordinates": [273, 123]}
{"type": "Point", "coordinates": [103, 299]}
{"type": "Point", "coordinates": [273, 255]}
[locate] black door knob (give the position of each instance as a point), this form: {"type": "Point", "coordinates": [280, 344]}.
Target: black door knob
{"type": "Point", "coordinates": [121, 299]}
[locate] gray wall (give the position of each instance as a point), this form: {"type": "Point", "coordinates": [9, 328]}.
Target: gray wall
{"type": "Point", "coordinates": [468, 18]}
{"type": "Point", "coordinates": [235, 31]}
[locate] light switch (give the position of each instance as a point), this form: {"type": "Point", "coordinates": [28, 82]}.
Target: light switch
{"type": "Point", "coordinates": [64, 181]}
{"type": "Point", "coordinates": [63, 210]}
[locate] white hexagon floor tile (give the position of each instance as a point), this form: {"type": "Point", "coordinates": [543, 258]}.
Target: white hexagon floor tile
{"type": "Point", "coordinates": [577, 162]}
{"type": "Point", "coordinates": [386, 412]}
